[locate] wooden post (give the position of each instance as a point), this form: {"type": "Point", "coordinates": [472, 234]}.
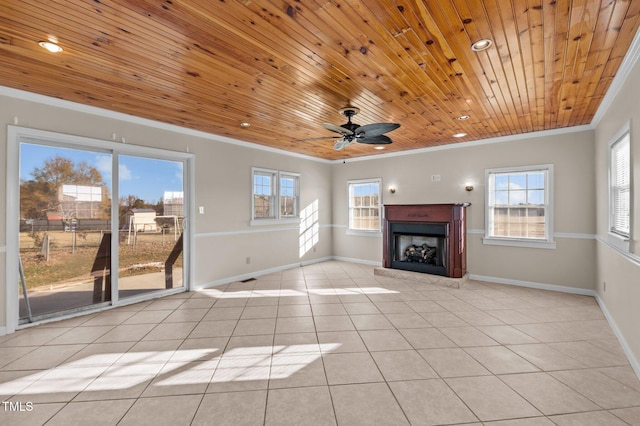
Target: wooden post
{"type": "Point", "coordinates": [101, 270]}
{"type": "Point", "coordinates": [168, 265]}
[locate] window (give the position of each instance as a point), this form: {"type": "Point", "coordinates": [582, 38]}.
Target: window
{"type": "Point", "coordinates": [518, 206]}
{"type": "Point", "coordinates": [364, 205]}
{"type": "Point", "coordinates": [288, 195]}
{"type": "Point", "coordinates": [275, 195]}
{"type": "Point", "coordinates": [620, 185]}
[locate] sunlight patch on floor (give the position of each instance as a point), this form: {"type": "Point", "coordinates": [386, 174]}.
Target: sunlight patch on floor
{"type": "Point", "coordinates": [117, 371]}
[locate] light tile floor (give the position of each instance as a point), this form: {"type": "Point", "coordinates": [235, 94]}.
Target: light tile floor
{"type": "Point", "coordinates": [325, 344]}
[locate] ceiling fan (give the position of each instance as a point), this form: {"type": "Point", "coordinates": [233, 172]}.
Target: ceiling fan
{"type": "Point", "coordinates": [372, 134]}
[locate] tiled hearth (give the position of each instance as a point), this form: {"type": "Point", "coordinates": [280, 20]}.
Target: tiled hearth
{"type": "Point", "coordinates": [419, 277]}
{"type": "Point", "coordinates": [326, 344]}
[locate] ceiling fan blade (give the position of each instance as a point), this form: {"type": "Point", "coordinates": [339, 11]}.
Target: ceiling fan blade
{"type": "Point", "coordinates": [337, 129]}
{"type": "Point", "coordinates": [375, 129]}
{"type": "Point", "coordinates": [376, 140]}
{"type": "Point", "coordinates": [342, 143]}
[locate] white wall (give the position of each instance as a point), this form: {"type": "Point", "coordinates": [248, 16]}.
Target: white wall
{"type": "Point", "coordinates": [570, 264]}
{"type": "Point", "coordinates": [620, 272]}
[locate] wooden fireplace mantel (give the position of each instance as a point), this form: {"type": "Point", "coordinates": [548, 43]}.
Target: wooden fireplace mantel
{"type": "Point", "coordinates": [451, 214]}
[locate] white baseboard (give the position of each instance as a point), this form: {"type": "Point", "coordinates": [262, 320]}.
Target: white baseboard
{"type": "Point", "coordinates": [531, 284]}
{"type": "Point", "coordinates": [625, 347]}
{"type": "Point", "coordinates": [254, 274]}
{"type": "Point", "coordinates": [3, 331]}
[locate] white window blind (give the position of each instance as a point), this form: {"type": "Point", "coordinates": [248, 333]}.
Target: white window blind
{"type": "Point", "coordinates": [621, 185]}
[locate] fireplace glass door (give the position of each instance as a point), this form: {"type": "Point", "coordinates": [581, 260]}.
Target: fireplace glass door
{"type": "Point", "coordinates": [420, 247]}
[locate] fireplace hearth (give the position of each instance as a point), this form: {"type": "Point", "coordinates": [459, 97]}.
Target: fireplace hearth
{"type": "Point", "coordinates": [427, 238]}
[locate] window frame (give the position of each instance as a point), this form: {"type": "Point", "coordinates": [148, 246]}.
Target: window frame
{"type": "Point", "coordinates": [548, 241]}
{"type": "Point", "coordinates": [618, 238]}
{"type": "Point", "coordinates": [276, 215]}
{"type": "Point", "coordinates": [364, 232]}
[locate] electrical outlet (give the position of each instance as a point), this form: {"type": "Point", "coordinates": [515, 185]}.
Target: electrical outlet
{"type": "Point", "coordinates": [201, 209]}
{"type": "Point", "coordinates": [248, 260]}
{"type": "Point", "coordinates": [435, 178]}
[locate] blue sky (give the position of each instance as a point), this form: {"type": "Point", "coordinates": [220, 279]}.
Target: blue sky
{"type": "Point", "coordinates": [146, 178]}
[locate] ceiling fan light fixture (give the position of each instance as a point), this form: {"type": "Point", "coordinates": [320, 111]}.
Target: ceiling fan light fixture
{"type": "Point", "coordinates": [460, 135]}
{"type": "Point", "coordinates": [481, 45]}
{"type": "Point", "coordinates": [50, 46]}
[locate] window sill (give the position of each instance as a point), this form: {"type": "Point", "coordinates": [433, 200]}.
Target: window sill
{"type": "Point", "coordinates": [514, 242]}
{"type": "Point", "coordinates": [358, 233]}
{"type": "Point", "coordinates": [287, 221]}
{"type": "Point", "coordinates": [618, 241]}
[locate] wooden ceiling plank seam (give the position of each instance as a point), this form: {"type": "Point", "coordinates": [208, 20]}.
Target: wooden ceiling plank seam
{"type": "Point", "coordinates": [527, 46]}
{"type": "Point", "coordinates": [499, 78]}
{"type": "Point", "coordinates": [591, 70]}
{"type": "Point", "coordinates": [493, 75]}
{"type": "Point", "coordinates": [536, 19]}
{"type": "Point", "coordinates": [486, 98]}
{"type": "Point", "coordinates": [579, 33]}
{"type": "Point", "coordinates": [376, 106]}
{"type": "Point", "coordinates": [399, 54]}
{"type": "Point", "coordinates": [473, 83]}
{"type": "Point", "coordinates": [601, 53]}
{"type": "Point", "coordinates": [558, 46]}
{"type": "Point", "coordinates": [516, 62]}
{"type": "Point", "coordinates": [280, 70]}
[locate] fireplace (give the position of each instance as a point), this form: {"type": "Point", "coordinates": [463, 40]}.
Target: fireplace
{"type": "Point", "coordinates": [428, 238]}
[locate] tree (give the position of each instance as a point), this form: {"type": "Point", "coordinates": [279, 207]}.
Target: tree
{"type": "Point", "coordinates": [40, 195]}
{"type": "Point", "coordinates": [130, 202]}
{"type": "Point", "coordinates": [63, 171]}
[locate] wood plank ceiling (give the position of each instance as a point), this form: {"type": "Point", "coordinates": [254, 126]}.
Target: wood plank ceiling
{"type": "Point", "coordinates": [286, 67]}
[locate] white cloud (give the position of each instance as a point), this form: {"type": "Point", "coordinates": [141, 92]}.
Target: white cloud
{"type": "Point", "coordinates": [103, 164]}
{"type": "Point", "coordinates": [124, 173]}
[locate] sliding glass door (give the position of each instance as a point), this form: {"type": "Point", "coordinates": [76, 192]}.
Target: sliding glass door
{"type": "Point", "coordinates": [65, 219]}
{"type": "Point", "coordinates": [89, 208]}
{"type": "Point", "coordinates": [151, 222]}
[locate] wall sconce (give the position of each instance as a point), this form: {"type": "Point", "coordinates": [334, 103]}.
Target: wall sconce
{"type": "Point", "coordinates": [392, 189]}
{"type": "Point", "coordinates": [469, 187]}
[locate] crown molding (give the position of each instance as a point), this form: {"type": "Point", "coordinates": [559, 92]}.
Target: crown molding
{"type": "Point", "coordinates": [106, 113]}
{"type": "Point", "coordinates": [629, 61]}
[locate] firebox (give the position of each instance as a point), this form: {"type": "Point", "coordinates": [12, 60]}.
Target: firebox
{"type": "Point", "coordinates": [420, 247]}
{"type": "Point", "coordinates": [428, 238]}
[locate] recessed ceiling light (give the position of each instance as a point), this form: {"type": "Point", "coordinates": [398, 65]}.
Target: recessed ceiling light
{"type": "Point", "coordinates": [481, 45]}
{"type": "Point", "coordinates": [379, 147]}
{"type": "Point", "coordinates": [460, 135]}
{"type": "Point", "coordinates": [245, 124]}
{"type": "Point", "coordinates": [463, 117]}
{"type": "Point", "coordinates": [51, 47]}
